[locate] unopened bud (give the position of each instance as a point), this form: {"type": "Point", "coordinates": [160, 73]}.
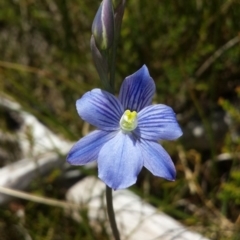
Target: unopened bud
{"type": "Point", "coordinates": [103, 25]}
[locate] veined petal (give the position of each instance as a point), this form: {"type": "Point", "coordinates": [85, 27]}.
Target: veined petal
{"type": "Point", "coordinates": [120, 161]}
{"type": "Point", "coordinates": [137, 90]}
{"type": "Point", "coordinates": [87, 148]}
{"type": "Point", "coordinates": [157, 160]}
{"type": "Point", "coordinates": [101, 109]}
{"type": "Point", "coordinates": [158, 122]}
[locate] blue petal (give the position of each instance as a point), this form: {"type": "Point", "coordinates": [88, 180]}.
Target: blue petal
{"type": "Point", "coordinates": [120, 161]}
{"type": "Point", "coordinates": [101, 109]}
{"type": "Point", "coordinates": [158, 122]}
{"type": "Point", "coordinates": [157, 160]}
{"type": "Point", "coordinates": [137, 90]}
{"type": "Point", "coordinates": [86, 149]}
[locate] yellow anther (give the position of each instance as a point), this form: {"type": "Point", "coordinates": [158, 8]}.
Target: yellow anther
{"type": "Point", "coordinates": [128, 121]}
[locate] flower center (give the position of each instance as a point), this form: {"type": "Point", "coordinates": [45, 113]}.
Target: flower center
{"type": "Point", "coordinates": [128, 121]}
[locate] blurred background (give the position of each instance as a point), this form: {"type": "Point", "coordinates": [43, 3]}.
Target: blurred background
{"type": "Point", "coordinates": [192, 50]}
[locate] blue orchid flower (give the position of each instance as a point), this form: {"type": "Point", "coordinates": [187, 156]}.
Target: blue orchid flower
{"type": "Point", "coordinates": [129, 128]}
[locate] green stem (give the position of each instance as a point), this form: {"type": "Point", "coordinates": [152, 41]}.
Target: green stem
{"type": "Point", "coordinates": [111, 214]}
{"type": "Point", "coordinates": [112, 63]}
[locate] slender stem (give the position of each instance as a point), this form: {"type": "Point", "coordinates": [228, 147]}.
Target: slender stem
{"type": "Point", "coordinates": [113, 63]}
{"type": "Point", "coordinates": [38, 199]}
{"type": "Point", "coordinates": [111, 214]}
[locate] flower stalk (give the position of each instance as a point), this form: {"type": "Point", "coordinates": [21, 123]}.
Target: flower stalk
{"type": "Point", "coordinates": [111, 214]}
{"type": "Point", "coordinates": [118, 16]}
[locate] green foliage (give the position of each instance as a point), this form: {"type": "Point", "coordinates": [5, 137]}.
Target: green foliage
{"type": "Point", "coordinates": [43, 222]}
{"type": "Point", "coordinates": [230, 109]}
{"type": "Point", "coordinates": [231, 189]}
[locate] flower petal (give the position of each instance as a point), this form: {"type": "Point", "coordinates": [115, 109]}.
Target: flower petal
{"type": "Point", "coordinates": [137, 90]}
{"type": "Point", "coordinates": [157, 160]}
{"type": "Point", "coordinates": [87, 148]}
{"type": "Point", "coordinates": [101, 109]}
{"type": "Point", "coordinates": [120, 161]}
{"type": "Point", "coordinates": [158, 122]}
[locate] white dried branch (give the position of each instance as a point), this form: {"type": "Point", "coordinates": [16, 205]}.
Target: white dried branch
{"type": "Point", "coordinates": [136, 219]}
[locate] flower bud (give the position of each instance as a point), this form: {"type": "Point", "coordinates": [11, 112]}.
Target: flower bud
{"type": "Point", "coordinates": [119, 11]}
{"type": "Point", "coordinates": [103, 25]}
